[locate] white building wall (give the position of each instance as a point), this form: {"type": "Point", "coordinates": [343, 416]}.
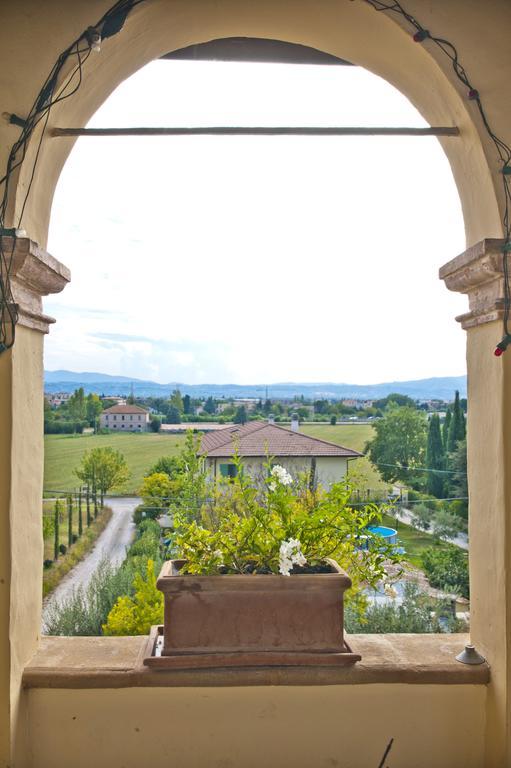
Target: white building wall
{"type": "Point", "coordinates": [329, 469]}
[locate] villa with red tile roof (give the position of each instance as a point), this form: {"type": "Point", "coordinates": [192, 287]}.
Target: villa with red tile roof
{"type": "Point", "coordinates": [127, 418]}
{"type": "Point", "coordinates": [256, 441]}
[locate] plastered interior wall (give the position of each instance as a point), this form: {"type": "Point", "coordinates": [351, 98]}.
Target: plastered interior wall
{"type": "Point", "coordinates": [284, 727]}
{"type": "Point", "coordinates": [32, 34]}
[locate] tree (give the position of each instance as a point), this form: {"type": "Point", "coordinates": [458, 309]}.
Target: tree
{"type": "Point", "coordinates": [176, 401]}
{"type": "Point", "coordinates": [156, 489]}
{"type": "Point", "coordinates": [187, 404]}
{"type": "Point", "coordinates": [168, 465]}
{"type": "Point", "coordinates": [209, 406]}
{"type": "Point", "coordinates": [396, 399]}
{"type": "Point", "coordinates": [457, 425]}
{"type": "Point", "coordinates": [399, 444]}
{"type": "Point", "coordinates": [445, 429]}
{"type": "Point", "coordinates": [458, 480]}
{"type": "Point", "coordinates": [446, 525]}
{"type": "Point", "coordinates": [173, 415]}
{"type": "Point", "coordinates": [93, 407]}
{"type": "Point", "coordinates": [435, 458]}
{"type": "Point", "coordinates": [333, 420]}
{"type": "Point", "coordinates": [422, 517]}
{"type": "Point", "coordinates": [155, 424]}
{"type": "Point", "coordinates": [76, 405]}
{"type": "Point", "coordinates": [103, 468]}
{"type": "Point", "coordinates": [240, 417]}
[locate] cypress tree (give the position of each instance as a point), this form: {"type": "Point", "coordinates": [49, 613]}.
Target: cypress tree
{"type": "Point", "coordinates": [457, 425]}
{"type": "Point", "coordinates": [435, 458]}
{"type": "Point", "coordinates": [445, 430]}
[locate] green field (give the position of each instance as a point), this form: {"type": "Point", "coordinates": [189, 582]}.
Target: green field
{"type": "Point", "coordinates": [353, 436]}
{"type": "Point", "coordinates": [64, 452]}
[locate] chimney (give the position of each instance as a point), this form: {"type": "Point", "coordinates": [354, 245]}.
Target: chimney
{"type": "Point", "coordinates": [271, 418]}
{"type": "Point", "coordinates": [294, 422]}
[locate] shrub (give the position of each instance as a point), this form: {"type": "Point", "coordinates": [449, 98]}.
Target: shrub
{"type": "Point", "coordinates": [418, 613]}
{"type": "Point", "coordinates": [447, 569]}
{"type": "Point", "coordinates": [47, 564]}
{"type": "Point", "coordinates": [136, 615]}
{"type": "Point", "coordinates": [62, 549]}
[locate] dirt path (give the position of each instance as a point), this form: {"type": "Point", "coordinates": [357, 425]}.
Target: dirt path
{"type": "Point", "coordinates": [112, 543]}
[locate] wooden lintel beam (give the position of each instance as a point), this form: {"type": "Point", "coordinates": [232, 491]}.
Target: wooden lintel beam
{"type": "Point", "coordinates": [259, 131]}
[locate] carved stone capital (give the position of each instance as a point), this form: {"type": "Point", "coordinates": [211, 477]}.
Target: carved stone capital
{"type": "Point", "coordinates": [33, 273]}
{"type": "Point", "coordinates": [478, 272]}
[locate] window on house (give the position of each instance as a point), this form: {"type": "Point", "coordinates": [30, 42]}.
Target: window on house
{"type": "Point", "coordinates": [228, 470]}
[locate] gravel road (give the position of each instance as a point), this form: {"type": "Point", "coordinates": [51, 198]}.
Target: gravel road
{"type": "Point", "coordinates": [112, 543]}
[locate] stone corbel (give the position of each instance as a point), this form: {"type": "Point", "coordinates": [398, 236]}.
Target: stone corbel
{"type": "Point", "coordinates": [34, 273]}
{"type": "Point", "coordinates": [478, 272]}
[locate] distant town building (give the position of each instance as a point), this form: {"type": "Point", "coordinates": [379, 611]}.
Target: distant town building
{"type": "Point", "coordinates": [130, 418]}
{"type": "Point", "coordinates": [57, 399]}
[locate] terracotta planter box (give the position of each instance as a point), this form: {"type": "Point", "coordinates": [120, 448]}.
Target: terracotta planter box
{"type": "Point", "coordinates": [252, 620]}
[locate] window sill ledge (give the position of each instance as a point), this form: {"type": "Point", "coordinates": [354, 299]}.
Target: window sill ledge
{"type": "Point", "coordinates": [116, 662]}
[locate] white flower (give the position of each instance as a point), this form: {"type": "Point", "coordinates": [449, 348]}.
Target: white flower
{"type": "Point", "coordinates": [390, 591]}
{"type": "Point", "coordinates": [281, 475]}
{"type": "Point", "coordinates": [290, 554]}
{"type": "Point", "coordinates": [219, 556]}
{"type": "Point", "coordinates": [272, 486]}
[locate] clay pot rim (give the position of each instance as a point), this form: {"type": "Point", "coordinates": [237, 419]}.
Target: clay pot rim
{"type": "Point", "coordinates": [170, 580]}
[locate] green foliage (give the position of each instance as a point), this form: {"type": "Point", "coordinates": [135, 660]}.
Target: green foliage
{"type": "Point", "coordinates": [169, 465]}
{"type": "Point", "coordinates": [209, 406]}
{"type": "Point", "coordinates": [156, 489]}
{"type": "Point", "coordinates": [333, 420]}
{"type": "Point", "coordinates": [447, 569]}
{"type": "Point", "coordinates": [399, 444]}
{"type": "Point", "coordinates": [240, 417]}
{"type": "Point", "coordinates": [243, 529]}
{"type": "Point", "coordinates": [447, 525]}
{"type": "Point", "coordinates": [394, 399]}
{"type": "Point", "coordinates": [435, 458]}
{"type": "Point", "coordinates": [173, 415]}
{"type": "Point", "coordinates": [418, 613]}
{"type": "Point", "coordinates": [103, 468]}
{"type": "Point", "coordinates": [457, 430]}
{"type": "Point", "coordinates": [422, 516]}
{"type": "Point", "coordinates": [93, 407]}
{"type": "Point", "coordinates": [155, 424]}
{"type": "Point", "coordinates": [136, 615]}
{"type": "Point", "coordinates": [76, 405]}
{"type": "Point", "coordinates": [176, 401]}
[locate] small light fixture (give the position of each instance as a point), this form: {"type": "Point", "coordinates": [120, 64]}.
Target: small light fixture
{"type": "Point", "coordinates": [470, 656]}
{"type": "Point", "coordinates": [94, 39]}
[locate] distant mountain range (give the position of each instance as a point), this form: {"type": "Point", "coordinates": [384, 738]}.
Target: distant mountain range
{"type": "Point", "coordinates": [422, 389]}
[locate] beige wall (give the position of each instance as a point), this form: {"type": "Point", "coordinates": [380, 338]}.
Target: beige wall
{"type": "Point", "coordinates": [259, 727]}
{"type": "Point", "coordinates": [31, 36]}
{"type": "Point", "coordinates": [329, 469]}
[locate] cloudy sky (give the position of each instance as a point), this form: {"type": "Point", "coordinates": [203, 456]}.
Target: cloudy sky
{"type": "Point", "coordinates": [256, 259]}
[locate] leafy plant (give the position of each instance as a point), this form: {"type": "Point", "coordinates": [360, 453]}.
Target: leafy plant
{"type": "Point", "coordinates": [136, 615]}
{"type": "Point", "coordinates": [284, 525]}
{"type": "Point", "coordinates": [447, 569]}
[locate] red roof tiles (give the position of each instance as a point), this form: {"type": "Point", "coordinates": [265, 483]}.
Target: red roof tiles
{"type": "Point", "coordinates": [259, 438]}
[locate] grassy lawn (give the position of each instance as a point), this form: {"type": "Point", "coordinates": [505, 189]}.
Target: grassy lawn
{"type": "Point", "coordinates": [352, 436]}
{"type": "Point", "coordinates": [414, 541]}
{"type": "Point", "coordinates": [64, 452]}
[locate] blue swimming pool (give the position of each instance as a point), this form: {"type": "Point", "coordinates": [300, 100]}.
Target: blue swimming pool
{"type": "Point", "coordinates": [389, 534]}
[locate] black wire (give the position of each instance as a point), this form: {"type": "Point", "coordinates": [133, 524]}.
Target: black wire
{"type": "Point", "coordinates": [112, 20]}
{"type": "Point", "coordinates": [503, 149]}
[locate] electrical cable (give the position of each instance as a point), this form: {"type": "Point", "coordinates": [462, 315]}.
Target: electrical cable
{"type": "Point", "coordinates": [50, 94]}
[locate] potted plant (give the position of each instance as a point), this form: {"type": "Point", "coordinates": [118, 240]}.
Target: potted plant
{"type": "Point", "coordinates": [259, 579]}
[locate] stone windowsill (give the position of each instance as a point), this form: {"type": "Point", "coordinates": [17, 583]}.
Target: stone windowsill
{"type": "Point", "coordinates": [116, 662]}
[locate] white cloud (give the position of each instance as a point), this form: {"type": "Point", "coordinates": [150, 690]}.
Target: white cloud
{"type": "Point", "coordinates": [257, 259]}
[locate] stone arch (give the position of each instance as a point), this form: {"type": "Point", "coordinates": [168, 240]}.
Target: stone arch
{"type": "Point", "coordinates": [350, 30]}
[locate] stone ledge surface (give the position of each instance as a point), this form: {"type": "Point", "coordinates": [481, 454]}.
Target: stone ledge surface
{"type": "Point", "coordinates": [116, 662]}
